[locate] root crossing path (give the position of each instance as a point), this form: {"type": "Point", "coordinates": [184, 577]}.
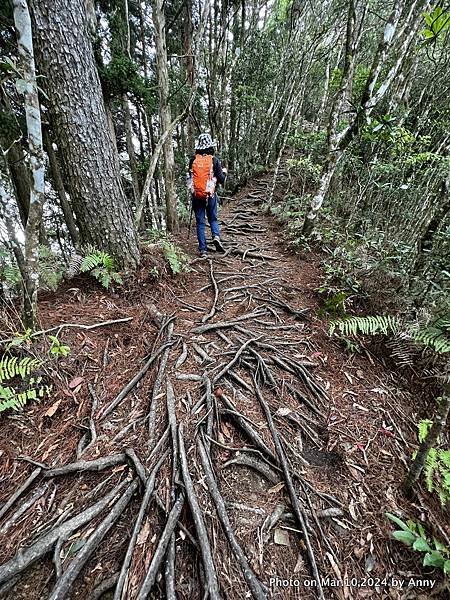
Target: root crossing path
{"type": "Point", "coordinates": [209, 474]}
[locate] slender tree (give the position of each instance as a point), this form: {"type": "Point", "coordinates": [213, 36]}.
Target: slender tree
{"type": "Point", "coordinates": [165, 115]}
{"type": "Point", "coordinates": [28, 86]}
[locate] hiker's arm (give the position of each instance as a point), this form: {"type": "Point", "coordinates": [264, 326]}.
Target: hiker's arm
{"type": "Point", "coordinates": [191, 162]}
{"type": "Point", "coordinates": [218, 171]}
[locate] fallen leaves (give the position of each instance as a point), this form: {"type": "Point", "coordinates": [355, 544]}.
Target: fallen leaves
{"type": "Point", "coordinates": [53, 408]}
{"type": "Point", "coordinates": [281, 537]}
{"type": "Point", "coordinates": [76, 384]}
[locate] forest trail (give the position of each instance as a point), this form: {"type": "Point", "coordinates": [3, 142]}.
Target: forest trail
{"type": "Point", "coordinates": [242, 418]}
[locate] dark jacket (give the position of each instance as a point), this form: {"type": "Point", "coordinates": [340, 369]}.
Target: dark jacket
{"type": "Point", "coordinates": [217, 166]}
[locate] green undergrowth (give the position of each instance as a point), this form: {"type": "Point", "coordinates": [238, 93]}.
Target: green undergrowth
{"type": "Point", "coordinates": [167, 256]}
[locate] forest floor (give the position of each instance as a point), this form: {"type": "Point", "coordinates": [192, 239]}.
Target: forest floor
{"type": "Point", "coordinates": [223, 360]}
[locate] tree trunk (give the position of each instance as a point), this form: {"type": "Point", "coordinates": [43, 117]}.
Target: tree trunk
{"type": "Point", "coordinates": [20, 178]}
{"type": "Point", "coordinates": [28, 86]}
{"type": "Point", "coordinates": [189, 66]}
{"type": "Point", "coordinates": [78, 117]}
{"type": "Point", "coordinates": [159, 23]}
{"type": "Point", "coordinates": [130, 148]}
{"type": "Point", "coordinates": [58, 184]}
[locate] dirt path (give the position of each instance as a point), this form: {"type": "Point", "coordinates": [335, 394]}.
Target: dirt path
{"type": "Point", "coordinates": [238, 449]}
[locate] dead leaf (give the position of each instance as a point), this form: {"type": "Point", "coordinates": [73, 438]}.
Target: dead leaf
{"type": "Point", "coordinates": [378, 390]}
{"type": "Point", "coordinates": [76, 381]}
{"type": "Point", "coordinates": [276, 488]}
{"type": "Point", "coordinates": [351, 510]}
{"type": "Point", "coordinates": [281, 537]}
{"type": "Point", "coordinates": [300, 564]}
{"type": "Point", "coordinates": [370, 563]}
{"type": "Point", "coordinates": [119, 468]}
{"type": "Point", "coordinates": [49, 451]}
{"type": "Point", "coordinates": [53, 408]}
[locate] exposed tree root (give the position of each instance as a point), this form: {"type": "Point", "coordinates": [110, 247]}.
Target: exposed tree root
{"type": "Point", "coordinates": [187, 425]}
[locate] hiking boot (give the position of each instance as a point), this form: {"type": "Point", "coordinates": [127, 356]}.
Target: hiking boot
{"type": "Point", "coordinates": [203, 254]}
{"type": "Point", "coordinates": [218, 244]}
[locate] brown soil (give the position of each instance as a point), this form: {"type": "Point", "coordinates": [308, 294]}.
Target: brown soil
{"type": "Point", "coordinates": [348, 432]}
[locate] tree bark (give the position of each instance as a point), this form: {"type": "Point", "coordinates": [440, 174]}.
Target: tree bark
{"type": "Point", "coordinates": [28, 86]}
{"type": "Point", "coordinates": [130, 148]}
{"type": "Point", "coordinates": [58, 184]}
{"type": "Point", "coordinates": [159, 23]}
{"type": "Point", "coordinates": [189, 66]}
{"type": "Point", "coordinates": [78, 117]}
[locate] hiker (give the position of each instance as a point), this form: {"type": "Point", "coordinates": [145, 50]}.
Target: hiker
{"type": "Point", "coordinates": [205, 172]}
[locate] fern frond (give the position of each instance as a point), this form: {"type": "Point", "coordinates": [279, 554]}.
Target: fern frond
{"type": "Point", "coordinates": [74, 266]}
{"type": "Point", "coordinates": [11, 367]}
{"type": "Point", "coordinates": [101, 266]}
{"type": "Point", "coordinates": [368, 325]}
{"type": "Point", "coordinates": [429, 468]}
{"type": "Point", "coordinates": [435, 337]}
{"type": "Point", "coordinates": [424, 428]}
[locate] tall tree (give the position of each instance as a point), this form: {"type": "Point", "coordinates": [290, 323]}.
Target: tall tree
{"type": "Point", "coordinates": [165, 115]}
{"type": "Point", "coordinates": [78, 117]}
{"type": "Point", "coordinates": [28, 86]}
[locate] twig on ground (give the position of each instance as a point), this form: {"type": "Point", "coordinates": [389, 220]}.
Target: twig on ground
{"type": "Point", "coordinates": [161, 548]}
{"type": "Point", "coordinates": [157, 388]}
{"type": "Point", "coordinates": [22, 489]}
{"type": "Point", "coordinates": [131, 384]}
{"type": "Point", "coordinates": [227, 324]}
{"type": "Point", "coordinates": [234, 360]}
{"type": "Point", "coordinates": [212, 310]}
{"type": "Point", "coordinates": [149, 488]}
{"type": "Point", "coordinates": [59, 328]}
{"type": "Point", "coordinates": [299, 512]}
{"type": "Point", "coordinates": [87, 465]}
{"type": "Point", "coordinates": [107, 584]}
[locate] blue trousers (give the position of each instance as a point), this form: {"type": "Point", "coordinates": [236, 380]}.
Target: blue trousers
{"type": "Point", "coordinates": [207, 208]}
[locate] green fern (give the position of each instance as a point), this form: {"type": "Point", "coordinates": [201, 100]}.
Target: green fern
{"type": "Point", "coordinates": [101, 266]}
{"type": "Point", "coordinates": [50, 268]}
{"type": "Point", "coordinates": [437, 466]}
{"type": "Point", "coordinates": [178, 261]}
{"type": "Point", "coordinates": [436, 336]}
{"type": "Point", "coordinates": [424, 428]}
{"type": "Point", "coordinates": [95, 258]}
{"type": "Point", "coordinates": [29, 387]}
{"type": "Point", "coordinates": [369, 325]}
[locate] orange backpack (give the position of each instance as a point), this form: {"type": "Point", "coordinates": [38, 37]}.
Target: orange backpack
{"type": "Point", "coordinates": [202, 175]}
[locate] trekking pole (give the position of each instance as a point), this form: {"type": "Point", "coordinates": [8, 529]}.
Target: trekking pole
{"type": "Point", "coordinates": [190, 220]}
{"type": "Point", "coordinates": [190, 200]}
